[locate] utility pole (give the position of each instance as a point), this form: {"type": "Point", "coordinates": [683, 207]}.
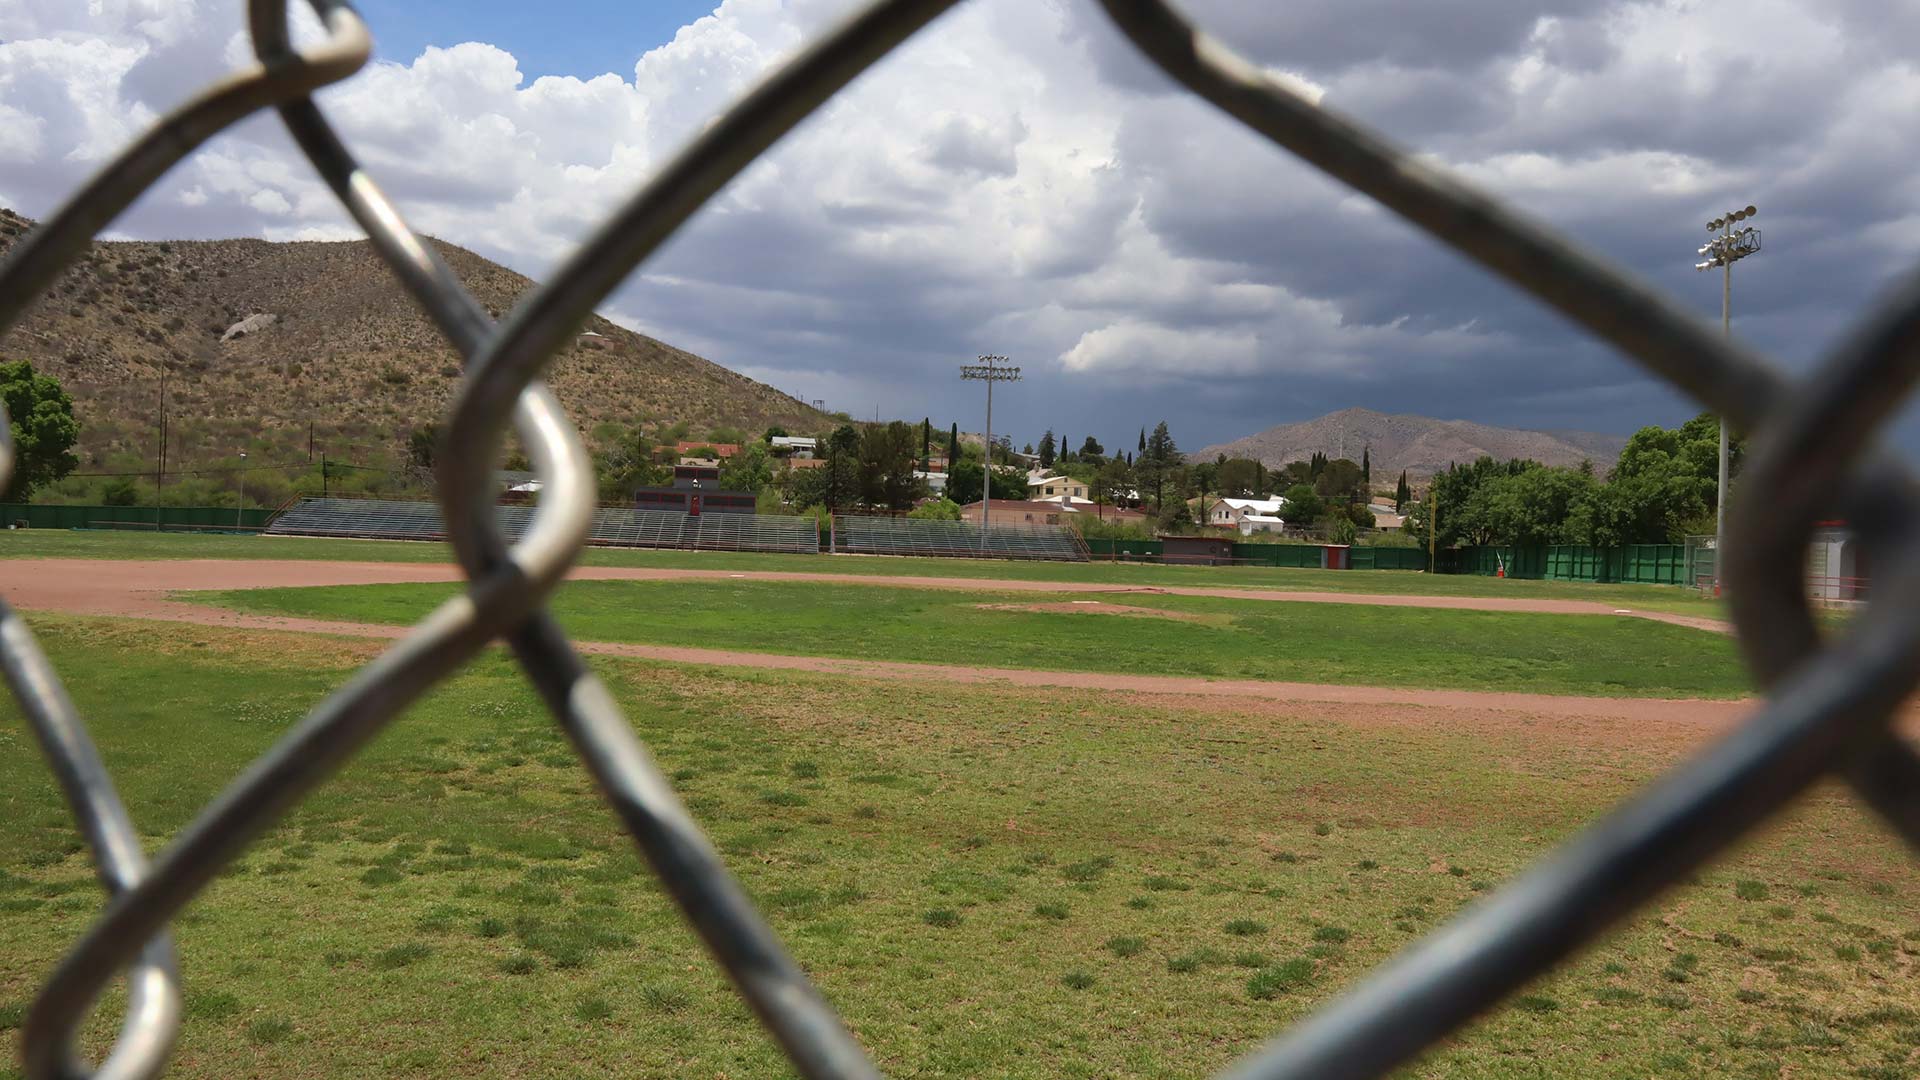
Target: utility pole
{"type": "Point", "coordinates": [239, 488]}
{"type": "Point", "coordinates": [160, 455]}
{"type": "Point", "coordinates": [1433, 522]}
{"type": "Point", "coordinates": [989, 371]}
{"type": "Point", "coordinates": [1724, 250]}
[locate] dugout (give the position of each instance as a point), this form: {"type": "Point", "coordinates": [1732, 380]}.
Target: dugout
{"type": "Point", "coordinates": [1197, 550]}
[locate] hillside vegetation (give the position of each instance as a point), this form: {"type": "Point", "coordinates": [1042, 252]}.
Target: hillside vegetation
{"type": "Point", "coordinates": [1419, 445]}
{"type": "Point", "coordinates": [346, 351]}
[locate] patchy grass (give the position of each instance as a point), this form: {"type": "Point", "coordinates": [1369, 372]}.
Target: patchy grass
{"type": "Point", "coordinates": [1249, 639]}
{"type": "Point", "coordinates": [518, 903]}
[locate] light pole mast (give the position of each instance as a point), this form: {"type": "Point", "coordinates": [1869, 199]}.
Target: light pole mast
{"type": "Point", "coordinates": [1725, 249]}
{"type": "Point", "coordinates": [991, 369]}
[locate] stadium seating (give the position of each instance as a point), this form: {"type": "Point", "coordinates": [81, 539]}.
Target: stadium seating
{"type": "Point", "coordinates": [393, 519]}
{"type": "Point", "coordinates": [956, 539]}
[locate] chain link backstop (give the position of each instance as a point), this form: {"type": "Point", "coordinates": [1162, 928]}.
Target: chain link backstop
{"type": "Point", "coordinates": [1830, 696]}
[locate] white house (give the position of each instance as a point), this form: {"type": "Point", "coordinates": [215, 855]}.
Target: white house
{"type": "Point", "coordinates": [795, 445]}
{"type": "Point", "coordinates": [936, 481]}
{"type": "Point", "coordinates": [1249, 516]}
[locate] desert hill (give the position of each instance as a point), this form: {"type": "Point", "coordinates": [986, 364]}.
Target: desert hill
{"type": "Point", "coordinates": [1419, 444]}
{"type": "Point", "coordinates": [345, 350]}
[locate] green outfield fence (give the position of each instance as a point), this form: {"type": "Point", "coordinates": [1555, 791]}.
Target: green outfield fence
{"type": "Point", "coordinates": [1650, 564]}
{"type": "Point", "coordinates": [162, 518]}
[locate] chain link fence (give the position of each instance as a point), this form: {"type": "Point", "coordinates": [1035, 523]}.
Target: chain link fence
{"type": "Point", "coordinates": [1829, 703]}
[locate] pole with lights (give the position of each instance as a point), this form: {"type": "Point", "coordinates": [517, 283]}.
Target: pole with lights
{"type": "Point", "coordinates": [1728, 246]}
{"type": "Point", "coordinates": [990, 370]}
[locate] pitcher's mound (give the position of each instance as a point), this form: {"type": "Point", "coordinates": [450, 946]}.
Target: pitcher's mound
{"type": "Point", "coordinates": [1101, 607]}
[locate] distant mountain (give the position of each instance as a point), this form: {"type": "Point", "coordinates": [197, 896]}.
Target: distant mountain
{"type": "Point", "coordinates": [261, 339]}
{"type": "Point", "coordinates": [1419, 444]}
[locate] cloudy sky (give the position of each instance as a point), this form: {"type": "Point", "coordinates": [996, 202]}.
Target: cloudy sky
{"type": "Point", "coordinates": [1015, 180]}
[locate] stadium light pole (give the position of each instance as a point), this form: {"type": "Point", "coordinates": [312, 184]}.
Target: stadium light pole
{"type": "Point", "coordinates": [1728, 246]}
{"type": "Point", "coordinates": [239, 487]}
{"type": "Point", "coordinates": [989, 370]}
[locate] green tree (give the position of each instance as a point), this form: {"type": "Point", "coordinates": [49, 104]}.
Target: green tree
{"type": "Point", "coordinates": [926, 442]}
{"type": "Point", "coordinates": [1241, 478]}
{"type": "Point", "coordinates": [1156, 464]}
{"type": "Point", "coordinates": [840, 486]}
{"type": "Point", "coordinates": [941, 509]}
{"type": "Point", "coordinates": [1339, 479]}
{"type": "Point", "coordinates": [964, 480]}
{"type": "Point", "coordinates": [1091, 451]}
{"type": "Point", "coordinates": [1303, 505]}
{"type": "Point", "coordinates": [774, 432]}
{"type": "Point", "coordinates": [422, 443]}
{"type": "Point", "coordinates": [1113, 484]}
{"type": "Point", "coordinates": [626, 465]}
{"type": "Point", "coordinates": [751, 469]}
{"type": "Point", "coordinates": [40, 415]}
{"type": "Point", "coordinates": [1402, 494]}
{"type": "Point", "coordinates": [953, 445]}
{"type": "Point", "coordinates": [1366, 468]}
{"type": "Point", "coordinates": [886, 466]}
{"type": "Point", "coordinates": [1532, 506]}
{"type": "Point", "coordinates": [1046, 450]}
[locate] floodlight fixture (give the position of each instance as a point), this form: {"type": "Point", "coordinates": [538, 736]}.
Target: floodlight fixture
{"type": "Point", "coordinates": [991, 369]}
{"type": "Point", "coordinates": [1726, 248]}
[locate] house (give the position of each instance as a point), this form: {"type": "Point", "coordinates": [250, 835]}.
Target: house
{"type": "Point", "coordinates": [936, 481]}
{"type": "Point", "coordinates": [694, 490]}
{"type": "Point", "coordinates": [1246, 516]}
{"type": "Point", "coordinates": [1050, 488]}
{"type": "Point", "coordinates": [698, 463]}
{"type": "Point", "coordinates": [1020, 512]}
{"type": "Point", "coordinates": [1386, 518]}
{"type": "Point", "coordinates": [798, 446]}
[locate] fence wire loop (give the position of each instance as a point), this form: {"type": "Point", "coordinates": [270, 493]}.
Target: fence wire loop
{"type": "Point", "coordinates": [1827, 711]}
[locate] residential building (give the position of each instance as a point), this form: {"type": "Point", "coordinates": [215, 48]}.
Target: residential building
{"type": "Point", "coordinates": [1386, 518]}
{"type": "Point", "coordinates": [1049, 487]}
{"type": "Point", "coordinates": [798, 446]}
{"type": "Point", "coordinates": [936, 481]}
{"type": "Point", "coordinates": [684, 448]}
{"type": "Point", "coordinates": [1020, 512]}
{"type": "Point", "coordinates": [1247, 516]}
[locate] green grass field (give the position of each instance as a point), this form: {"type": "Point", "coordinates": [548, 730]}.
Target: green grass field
{"type": "Point", "coordinates": [987, 881]}
{"type": "Point", "coordinates": [1224, 638]}
{"type": "Point", "coordinates": [46, 544]}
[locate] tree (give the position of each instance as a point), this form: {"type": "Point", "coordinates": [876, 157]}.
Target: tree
{"type": "Point", "coordinates": [1402, 494]}
{"type": "Point", "coordinates": [841, 485]}
{"type": "Point", "coordinates": [886, 466]}
{"type": "Point", "coordinates": [1091, 450]}
{"type": "Point", "coordinates": [1143, 441]}
{"type": "Point", "coordinates": [41, 417]}
{"type": "Point", "coordinates": [941, 509]}
{"type": "Point", "coordinates": [953, 445]}
{"type": "Point", "coordinates": [1530, 507]}
{"type": "Point", "coordinates": [1366, 468]}
{"type": "Point", "coordinates": [1158, 458]}
{"type": "Point", "coordinates": [1113, 484]}
{"type": "Point", "coordinates": [626, 465]}
{"type": "Point", "coordinates": [422, 443]}
{"type": "Point", "coordinates": [772, 433]}
{"type": "Point", "coordinates": [1339, 479]}
{"type": "Point", "coordinates": [964, 479]}
{"type": "Point", "coordinates": [926, 442]}
{"type": "Point", "coordinates": [1303, 505]}
{"type": "Point", "coordinates": [749, 470]}
{"type": "Point", "coordinates": [1241, 478]}
{"type": "Point", "coordinates": [1046, 450]}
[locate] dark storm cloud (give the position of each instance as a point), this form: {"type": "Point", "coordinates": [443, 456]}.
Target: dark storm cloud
{"type": "Point", "coordinates": [1018, 180]}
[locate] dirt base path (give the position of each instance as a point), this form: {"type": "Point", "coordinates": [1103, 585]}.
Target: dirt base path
{"type": "Point", "coordinates": [139, 590]}
{"type": "Point", "coordinates": [109, 587]}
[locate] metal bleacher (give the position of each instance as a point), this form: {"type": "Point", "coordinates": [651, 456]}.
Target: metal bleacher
{"type": "Point", "coordinates": [858, 535]}
{"type": "Point", "coordinates": [395, 519]}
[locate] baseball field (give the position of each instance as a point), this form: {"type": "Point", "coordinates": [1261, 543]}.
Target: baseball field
{"type": "Point", "coordinates": [1014, 820]}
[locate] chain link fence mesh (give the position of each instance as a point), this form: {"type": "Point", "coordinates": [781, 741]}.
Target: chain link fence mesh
{"type": "Point", "coordinates": [1830, 695]}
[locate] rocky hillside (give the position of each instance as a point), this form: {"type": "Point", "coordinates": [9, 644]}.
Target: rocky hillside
{"type": "Point", "coordinates": [259, 339]}
{"type": "Point", "coordinates": [1419, 444]}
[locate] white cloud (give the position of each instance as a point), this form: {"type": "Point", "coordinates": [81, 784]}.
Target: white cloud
{"type": "Point", "coordinates": [1015, 179]}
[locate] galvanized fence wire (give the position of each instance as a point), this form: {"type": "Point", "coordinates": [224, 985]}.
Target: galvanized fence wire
{"type": "Point", "coordinates": [1830, 698]}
